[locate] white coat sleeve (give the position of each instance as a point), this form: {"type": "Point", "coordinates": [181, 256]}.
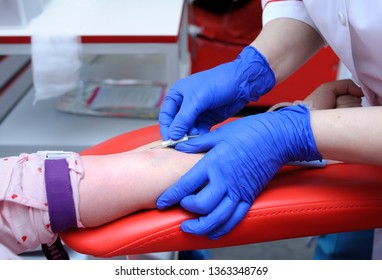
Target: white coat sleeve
{"type": "Point", "coordinates": [294, 9]}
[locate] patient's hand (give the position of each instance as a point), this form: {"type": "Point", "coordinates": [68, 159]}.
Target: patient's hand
{"type": "Point", "coordinates": [336, 94]}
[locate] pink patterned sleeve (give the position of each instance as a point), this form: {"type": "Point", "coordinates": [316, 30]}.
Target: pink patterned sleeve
{"type": "Point", "coordinates": [25, 222]}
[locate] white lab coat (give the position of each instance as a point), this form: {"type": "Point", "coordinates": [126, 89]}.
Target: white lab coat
{"type": "Point", "coordinates": [353, 29]}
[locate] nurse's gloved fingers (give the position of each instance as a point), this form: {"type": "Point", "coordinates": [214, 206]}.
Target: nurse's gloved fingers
{"type": "Point", "coordinates": [197, 145]}
{"type": "Point", "coordinates": [203, 128]}
{"type": "Point", "coordinates": [186, 185]}
{"type": "Point", "coordinates": [206, 224]}
{"type": "Point", "coordinates": [184, 120]}
{"type": "Point", "coordinates": [237, 216]}
{"type": "Point", "coordinates": [164, 132]}
{"type": "Point", "coordinates": [206, 120]}
{"type": "Point", "coordinates": [169, 109]}
{"type": "Point", "coordinates": [205, 200]}
{"type": "Point", "coordinates": [194, 131]}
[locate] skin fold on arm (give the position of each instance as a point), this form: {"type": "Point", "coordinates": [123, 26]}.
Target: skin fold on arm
{"type": "Point", "coordinates": [119, 184]}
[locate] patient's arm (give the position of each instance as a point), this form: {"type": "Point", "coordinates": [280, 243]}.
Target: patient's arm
{"type": "Point", "coordinates": [119, 184]}
{"type": "Point", "coordinates": [346, 133]}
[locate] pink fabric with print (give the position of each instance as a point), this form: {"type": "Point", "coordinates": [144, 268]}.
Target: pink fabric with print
{"type": "Point", "coordinates": [25, 222]}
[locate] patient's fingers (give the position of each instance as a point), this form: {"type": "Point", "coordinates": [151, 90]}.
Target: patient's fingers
{"type": "Point", "coordinates": [348, 101]}
{"type": "Point", "coordinates": [329, 95]}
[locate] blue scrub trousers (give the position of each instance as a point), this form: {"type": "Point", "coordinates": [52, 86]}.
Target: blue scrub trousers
{"type": "Point", "coordinates": [356, 245]}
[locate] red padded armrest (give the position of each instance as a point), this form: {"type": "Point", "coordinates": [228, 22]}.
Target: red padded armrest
{"type": "Point", "coordinates": [298, 202]}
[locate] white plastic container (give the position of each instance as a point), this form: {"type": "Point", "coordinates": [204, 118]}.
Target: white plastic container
{"type": "Point", "coordinates": [18, 13]}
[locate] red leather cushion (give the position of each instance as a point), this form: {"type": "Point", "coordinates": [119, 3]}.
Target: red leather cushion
{"type": "Point", "coordinates": [298, 202]}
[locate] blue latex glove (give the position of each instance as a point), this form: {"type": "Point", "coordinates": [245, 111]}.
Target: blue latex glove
{"type": "Point", "coordinates": [196, 103]}
{"type": "Point", "coordinates": [243, 156]}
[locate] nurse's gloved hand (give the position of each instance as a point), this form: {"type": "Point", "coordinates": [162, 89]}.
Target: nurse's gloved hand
{"type": "Point", "coordinates": [243, 157]}
{"type": "Point", "coordinates": [196, 103]}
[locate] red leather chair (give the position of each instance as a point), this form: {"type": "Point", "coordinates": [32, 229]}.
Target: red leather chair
{"type": "Point", "coordinates": [298, 202]}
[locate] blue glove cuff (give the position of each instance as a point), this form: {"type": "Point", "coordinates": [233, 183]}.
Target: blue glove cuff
{"type": "Point", "coordinates": [257, 76]}
{"type": "Point", "coordinates": [301, 133]}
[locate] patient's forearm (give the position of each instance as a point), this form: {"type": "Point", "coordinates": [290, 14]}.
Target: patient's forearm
{"type": "Point", "coordinates": [119, 184]}
{"type": "Point", "coordinates": [351, 135]}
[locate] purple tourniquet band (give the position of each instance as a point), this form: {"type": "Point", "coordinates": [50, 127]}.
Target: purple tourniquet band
{"type": "Point", "coordinates": [61, 207]}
